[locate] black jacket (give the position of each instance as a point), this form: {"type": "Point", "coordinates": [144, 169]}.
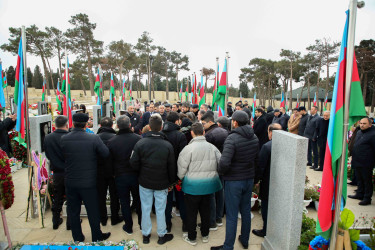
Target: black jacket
{"type": "Point", "coordinates": [310, 130]}
{"type": "Point", "coordinates": [186, 129]}
{"type": "Point", "coordinates": [52, 145]}
{"type": "Point", "coordinates": [302, 124]}
{"type": "Point", "coordinates": [216, 136]}
{"type": "Point", "coordinates": [153, 157]}
{"type": "Point", "coordinates": [145, 118]}
{"type": "Point", "coordinates": [269, 115]}
{"type": "Point", "coordinates": [81, 151]}
{"type": "Point", "coordinates": [163, 116]}
{"type": "Point", "coordinates": [239, 158]}
{"type": "Point", "coordinates": [121, 147]}
{"type": "Point", "coordinates": [265, 169]}
{"type": "Point", "coordinates": [282, 120]}
{"type": "Point", "coordinates": [6, 126]}
{"type": "Point", "coordinates": [229, 111]}
{"type": "Point", "coordinates": [104, 164]}
{"type": "Point", "coordinates": [175, 137]}
{"type": "Point", "coordinates": [136, 122]}
{"type": "Point", "coordinates": [363, 153]}
{"type": "Point", "coordinates": [286, 117]}
{"type": "Point", "coordinates": [261, 129]}
{"type": "Point", "coordinates": [322, 131]}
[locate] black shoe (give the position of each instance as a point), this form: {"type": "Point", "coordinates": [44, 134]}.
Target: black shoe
{"type": "Point", "coordinates": [146, 239]}
{"type": "Point", "coordinates": [218, 248]}
{"type": "Point", "coordinates": [245, 246]}
{"type": "Point", "coordinates": [117, 220]}
{"type": "Point", "coordinates": [318, 169]}
{"type": "Point", "coordinates": [56, 225]}
{"type": "Point", "coordinates": [311, 167]}
{"type": "Point", "coordinates": [184, 228]}
{"type": "Point", "coordinates": [357, 197]}
{"type": "Point", "coordinates": [127, 231]}
{"type": "Point", "coordinates": [219, 222]}
{"type": "Point", "coordinates": [364, 202]}
{"type": "Point", "coordinates": [104, 223]}
{"type": "Point", "coordinates": [169, 227]}
{"type": "Point", "coordinates": [352, 183]}
{"type": "Point", "coordinates": [165, 238]}
{"type": "Point", "coordinates": [106, 235]}
{"type": "Point", "coordinates": [259, 232]}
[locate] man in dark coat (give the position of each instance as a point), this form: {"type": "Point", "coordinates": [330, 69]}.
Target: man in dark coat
{"type": "Point", "coordinates": [135, 120]}
{"type": "Point", "coordinates": [260, 126]}
{"type": "Point", "coordinates": [52, 145]}
{"type": "Point", "coordinates": [146, 116]}
{"type": "Point", "coordinates": [363, 160]}
{"type": "Point", "coordinates": [216, 136]}
{"type": "Point", "coordinates": [322, 132]}
{"type": "Point", "coordinates": [162, 112]}
{"type": "Point", "coordinates": [310, 132]}
{"type": "Point", "coordinates": [303, 121]}
{"type": "Point", "coordinates": [280, 119]}
{"type": "Point", "coordinates": [269, 115]}
{"type": "Point", "coordinates": [153, 157]}
{"type": "Point", "coordinates": [178, 140]}
{"type": "Point", "coordinates": [126, 178]}
{"type": "Point", "coordinates": [81, 151]}
{"type": "Point", "coordinates": [229, 109]}
{"type": "Point", "coordinates": [5, 126]}
{"type": "Point", "coordinates": [265, 171]}
{"type": "Point", "coordinates": [238, 167]}
{"type": "Point", "coordinates": [224, 122]}
{"type": "Point", "coordinates": [105, 177]}
{"type": "Point", "coordinates": [285, 116]}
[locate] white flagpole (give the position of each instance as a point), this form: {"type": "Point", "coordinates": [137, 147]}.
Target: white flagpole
{"type": "Point", "coordinates": [66, 85]}
{"type": "Point", "coordinates": [226, 92]}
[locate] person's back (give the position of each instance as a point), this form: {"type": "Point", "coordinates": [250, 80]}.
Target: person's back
{"type": "Point", "coordinates": [269, 115]}
{"type": "Point", "coordinates": [6, 125]}
{"type": "Point", "coordinates": [173, 133]}
{"type": "Point", "coordinates": [105, 133]}
{"type": "Point", "coordinates": [260, 127]}
{"type": "Point", "coordinates": [214, 134]}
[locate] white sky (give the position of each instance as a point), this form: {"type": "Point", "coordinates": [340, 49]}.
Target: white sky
{"type": "Point", "coordinates": [201, 29]}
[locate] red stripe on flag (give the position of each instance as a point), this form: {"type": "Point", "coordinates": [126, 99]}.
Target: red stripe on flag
{"type": "Point", "coordinates": [341, 84]}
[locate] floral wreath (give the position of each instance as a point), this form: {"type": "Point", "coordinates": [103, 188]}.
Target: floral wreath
{"type": "Point", "coordinates": [6, 183]}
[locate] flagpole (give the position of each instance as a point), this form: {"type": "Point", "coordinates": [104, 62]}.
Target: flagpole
{"type": "Point", "coordinates": [217, 76]}
{"type": "Point", "coordinates": [66, 85]}
{"type": "Point", "coordinates": [348, 80]}
{"type": "Point", "coordinates": [226, 92]}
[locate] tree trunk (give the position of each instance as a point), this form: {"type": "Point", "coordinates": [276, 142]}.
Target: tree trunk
{"type": "Point", "coordinates": [89, 70]}
{"type": "Point", "coordinates": [59, 56]}
{"type": "Point", "coordinates": [46, 73]}
{"type": "Point", "coordinates": [83, 86]}
{"type": "Point", "coordinates": [364, 91]}
{"type": "Point", "coordinates": [327, 82]}
{"type": "Point", "coordinates": [176, 77]}
{"type": "Point", "coordinates": [291, 89]}
{"type": "Point", "coordinates": [53, 85]}
{"type": "Point", "coordinates": [373, 100]}
{"type": "Point", "coordinates": [317, 82]}
{"type": "Point", "coordinates": [308, 92]}
{"type": "Point", "coordinates": [153, 86]}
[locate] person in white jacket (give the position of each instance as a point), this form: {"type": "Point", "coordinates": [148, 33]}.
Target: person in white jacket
{"type": "Point", "coordinates": [197, 168]}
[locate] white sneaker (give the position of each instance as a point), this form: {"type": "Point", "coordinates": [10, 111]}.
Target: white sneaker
{"type": "Point", "coordinates": [176, 212]}
{"type": "Point", "coordinates": [205, 239]}
{"type": "Point", "coordinates": [191, 242]}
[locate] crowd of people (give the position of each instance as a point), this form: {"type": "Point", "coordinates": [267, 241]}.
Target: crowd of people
{"type": "Point", "coordinates": [185, 156]}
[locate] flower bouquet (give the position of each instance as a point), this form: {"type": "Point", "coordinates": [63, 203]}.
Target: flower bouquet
{"type": "Point", "coordinates": [6, 183]}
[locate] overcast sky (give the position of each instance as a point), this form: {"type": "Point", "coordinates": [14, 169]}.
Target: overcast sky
{"type": "Point", "coordinates": [203, 30]}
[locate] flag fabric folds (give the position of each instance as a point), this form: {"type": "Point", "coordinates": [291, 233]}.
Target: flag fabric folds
{"type": "Point", "coordinates": [315, 102]}
{"type": "Point", "coordinates": [44, 90]}
{"type": "Point", "coordinates": [297, 104]}
{"type": "Point", "coordinates": [181, 93]}
{"type": "Point", "coordinates": [221, 91]}
{"type": "Point", "coordinates": [58, 100]}
{"type": "Point", "coordinates": [201, 93]}
{"type": "Point", "coordinates": [2, 97]}
{"type": "Point", "coordinates": [195, 90]}
{"type": "Point", "coordinates": [98, 88]}
{"type": "Point", "coordinates": [123, 90]}
{"type": "Point", "coordinates": [130, 91]}
{"type": "Point", "coordinates": [335, 138]}
{"type": "Point", "coordinates": [187, 92]}
{"type": "Point", "coordinates": [67, 98]}
{"type": "Point", "coordinates": [282, 103]}
{"type": "Point", "coordinates": [112, 98]}
{"type": "Point", "coordinates": [254, 105]}
{"type": "Point", "coordinates": [19, 95]}
{"type": "Point", "coordinates": [4, 82]}
{"type": "Point", "coordinates": [325, 103]}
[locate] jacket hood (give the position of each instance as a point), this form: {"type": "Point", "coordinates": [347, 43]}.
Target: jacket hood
{"type": "Point", "coordinates": [169, 126]}
{"type": "Point", "coordinates": [245, 131]}
{"type": "Point", "coordinates": [269, 109]}
{"type": "Point", "coordinates": [212, 127]}
{"type": "Point", "coordinates": [107, 130]}
{"type": "Point", "coordinates": [186, 122]}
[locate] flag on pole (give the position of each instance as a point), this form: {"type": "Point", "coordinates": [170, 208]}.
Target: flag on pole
{"type": "Point", "coordinates": [214, 94]}
{"type": "Point", "coordinates": [65, 89]}
{"type": "Point", "coordinates": [314, 102]}
{"type": "Point", "coordinates": [222, 90]}
{"type": "Point", "coordinates": [44, 90]}
{"type": "Point", "coordinates": [335, 137]}
{"type": "Point", "coordinates": [19, 95]}
{"type": "Point", "coordinates": [216, 85]}
{"type": "Point", "coordinates": [282, 103]}
{"type": "Point", "coordinates": [123, 91]}
{"type": "Point", "coordinates": [2, 97]}
{"type": "Point", "coordinates": [130, 91]}
{"type": "Point", "coordinates": [112, 97]}
{"type": "Point", "coordinates": [254, 105]}
{"type": "Point", "coordinates": [325, 103]}
{"type": "Point", "coordinates": [181, 93]}
{"type": "Point", "coordinates": [286, 102]}
{"type": "Point", "coordinates": [201, 93]}
{"type": "Point", "coordinates": [192, 90]}
{"type": "Point", "coordinates": [240, 96]}
{"type": "Point", "coordinates": [58, 101]}
{"type": "Point", "coordinates": [4, 81]}
{"type": "Point", "coordinates": [195, 98]}
{"type": "Point", "coordinates": [297, 104]}
{"type": "Point", "coordinates": [98, 88]}
{"type": "Point", "coordinates": [187, 91]}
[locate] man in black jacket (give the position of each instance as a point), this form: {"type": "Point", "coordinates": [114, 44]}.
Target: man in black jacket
{"type": "Point", "coordinates": [126, 178]}
{"type": "Point", "coordinates": [5, 126]}
{"type": "Point", "coordinates": [135, 120]}
{"type": "Point", "coordinates": [81, 151]}
{"type": "Point", "coordinates": [162, 112]}
{"type": "Point", "coordinates": [310, 132]}
{"type": "Point", "coordinates": [280, 119]}
{"type": "Point", "coordinates": [238, 167]}
{"type": "Point", "coordinates": [265, 169]}
{"type": "Point", "coordinates": [224, 122]}
{"type": "Point", "coordinates": [269, 115]}
{"type": "Point", "coordinates": [260, 126]}
{"type": "Point", "coordinates": [229, 109]}
{"type": "Point", "coordinates": [216, 136]}
{"type": "Point", "coordinates": [153, 157]}
{"type": "Point", "coordinates": [178, 140]}
{"type": "Point", "coordinates": [146, 116]}
{"type": "Point", "coordinates": [303, 121]}
{"type": "Point", "coordinates": [52, 145]}
{"type": "Point", "coordinates": [105, 177]}
{"type": "Point", "coordinates": [363, 160]}
{"type": "Point", "coordinates": [322, 132]}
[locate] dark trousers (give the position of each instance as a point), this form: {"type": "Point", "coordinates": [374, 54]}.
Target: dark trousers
{"type": "Point", "coordinates": [58, 197]}
{"type": "Point", "coordinates": [312, 150]}
{"type": "Point", "coordinates": [195, 203]}
{"type": "Point", "coordinates": [89, 196]}
{"type": "Point", "coordinates": [237, 199]}
{"type": "Point", "coordinates": [127, 184]}
{"type": "Point", "coordinates": [264, 209]}
{"type": "Point", "coordinates": [180, 203]}
{"type": "Point", "coordinates": [103, 184]}
{"type": "Point", "coordinates": [217, 205]}
{"type": "Point", "coordinates": [364, 180]}
{"type": "Point", "coordinates": [322, 153]}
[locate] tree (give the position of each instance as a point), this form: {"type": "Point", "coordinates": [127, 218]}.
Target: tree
{"type": "Point", "coordinates": [244, 89]}
{"type": "Point", "coordinates": [181, 63]}
{"type": "Point", "coordinates": [330, 57]}
{"type": "Point", "coordinates": [29, 76]}
{"type": "Point", "coordinates": [11, 74]}
{"type": "Point", "coordinates": [78, 75]}
{"type": "Point", "coordinates": [293, 58]}
{"type": "Point", "coordinates": [81, 41]}
{"type": "Point", "coordinates": [37, 81]}
{"type": "Point", "coordinates": [207, 72]}
{"type": "Point", "coordinates": [317, 51]}
{"type": "Point", "coordinates": [56, 41]}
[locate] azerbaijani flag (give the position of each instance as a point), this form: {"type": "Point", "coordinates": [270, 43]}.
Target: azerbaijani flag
{"type": "Point", "coordinates": [254, 105]}
{"type": "Point", "coordinates": [314, 102]}
{"type": "Point", "coordinates": [187, 91]}
{"type": "Point", "coordinates": [282, 103]}
{"type": "Point", "coordinates": [67, 111]}
{"type": "Point", "coordinates": [325, 103]}
{"type": "Point", "coordinates": [130, 91]}
{"type": "Point", "coordinates": [181, 92]}
{"type": "Point", "coordinates": [44, 90]}
{"type": "Point", "coordinates": [4, 82]}
{"type": "Point", "coordinates": [192, 91]}
{"type": "Point", "coordinates": [222, 90]}
{"type": "Point", "coordinates": [58, 101]}
{"type": "Point", "coordinates": [195, 98]}
{"type": "Point", "coordinates": [112, 97]}
{"type": "Point", "coordinates": [216, 85]}
{"type": "Point", "coordinates": [2, 97]}
{"type": "Point", "coordinates": [297, 104]}
{"type": "Point", "coordinates": [19, 95]}
{"type": "Point", "coordinates": [201, 93]}
{"type": "Point", "coordinates": [335, 137]}
{"type": "Point", "coordinates": [123, 90]}
{"type": "Point", "coordinates": [98, 89]}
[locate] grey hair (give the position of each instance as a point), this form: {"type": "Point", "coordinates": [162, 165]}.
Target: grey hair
{"type": "Point", "coordinates": [123, 122]}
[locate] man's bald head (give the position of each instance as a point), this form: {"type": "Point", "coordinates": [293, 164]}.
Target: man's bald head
{"type": "Point", "coordinates": [272, 127]}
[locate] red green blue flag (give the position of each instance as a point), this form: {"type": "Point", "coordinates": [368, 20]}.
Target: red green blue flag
{"type": "Point", "coordinates": [58, 100]}
{"type": "Point", "coordinates": [335, 138]}
{"type": "Point", "coordinates": [44, 90]}
{"type": "Point", "coordinates": [282, 103]}
{"type": "Point", "coordinates": [4, 82]}
{"type": "Point", "coordinates": [130, 91]}
{"type": "Point", "coordinates": [254, 105]}
{"type": "Point", "coordinates": [2, 97]}
{"type": "Point", "coordinates": [65, 89]}
{"type": "Point", "coordinates": [123, 90]}
{"type": "Point", "coordinates": [112, 97]}
{"type": "Point", "coordinates": [315, 101]}
{"type": "Point", "coordinates": [98, 89]}
{"type": "Point", "coordinates": [187, 91]}
{"type": "Point", "coordinates": [325, 103]}
{"type": "Point", "coordinates": [19, 94]}
{"type": "Point", "coordinates": [222, 90]}
{"type": "Point", "coordinates": [201, 93]}
{"type": "Point", "coordinates": [297, 104]}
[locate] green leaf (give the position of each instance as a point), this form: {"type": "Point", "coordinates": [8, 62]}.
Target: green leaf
{"type": "Point", "coordinates": [354, 246]}
{"type": "Point", "coordinates": [354, 234]}
{"type": "Point", "coordinates": [347, 218]}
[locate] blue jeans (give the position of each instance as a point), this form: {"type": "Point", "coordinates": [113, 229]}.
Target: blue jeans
{"type": "Point", "coordinates": [237, 199]}
{"type": "Point", "coordinates": [147, 197]}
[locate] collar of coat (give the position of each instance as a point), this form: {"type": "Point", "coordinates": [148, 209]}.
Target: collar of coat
{"type": "Point", "coordinates": [156, 135]}
{"type": "Point", "coordinates": [198, 138]}
{"type": "Point", "coordinates": [61, 131]}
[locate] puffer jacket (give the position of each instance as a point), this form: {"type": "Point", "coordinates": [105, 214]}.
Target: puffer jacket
{"type": "Point", "coordinates": [216, 136]}
{"type": "Point", "coordinates": [197, 167]}
{"type": "Point", "coordinates": [240, 155]}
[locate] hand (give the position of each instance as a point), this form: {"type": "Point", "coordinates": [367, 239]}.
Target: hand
{"type": "Point", "coordinates": [13, 117]}
{"type": "Point", "coordinates": [132, 129]}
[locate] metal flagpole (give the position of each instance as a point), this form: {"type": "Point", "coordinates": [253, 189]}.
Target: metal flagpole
{"type": "Point", "coordinates": [66, 85]}
{"type": "Point", "coordinates": [348, 80]}
{"type": "Point", "coordinates": [26, 94]}
{"type": "Point", "coordinates": [217, 87]}
{"type": "Point", "coordinates": [226, 92]}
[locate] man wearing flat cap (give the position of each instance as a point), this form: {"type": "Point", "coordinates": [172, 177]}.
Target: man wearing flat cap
{"type": "Point", "coordinates": [195, 108]}
{"type": "Point", "coordinates": [80, 150]}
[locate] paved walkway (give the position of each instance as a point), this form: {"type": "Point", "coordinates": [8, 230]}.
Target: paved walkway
{"type": "Point", "coordinates": [29, 232]}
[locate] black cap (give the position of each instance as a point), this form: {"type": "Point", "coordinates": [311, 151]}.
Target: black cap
{"type": "Point", "coordinates": [301, 108]}
{"type": "Point", "coordinates": [195, 106]}
{"type": "Point", "coordinates": [167, 105]}
{"type": "Point", "coordinates": [80, 117]}
{"type": "Point", "coordinates": [240, 116]}
{"type": "Point", "coordinates": [276, 110]}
